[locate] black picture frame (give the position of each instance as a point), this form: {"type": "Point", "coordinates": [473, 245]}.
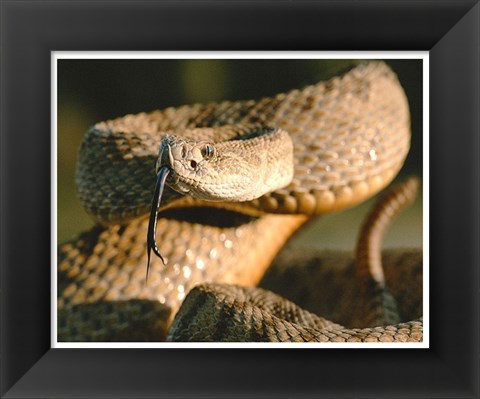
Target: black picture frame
{"type": "Point", "coordinates": [449, 30]}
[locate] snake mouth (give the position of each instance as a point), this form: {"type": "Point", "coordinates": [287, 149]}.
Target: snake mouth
{"type": "Point", "coordinates": [167, 160]}
{"type": "Point", "coordinates": [163, 172]}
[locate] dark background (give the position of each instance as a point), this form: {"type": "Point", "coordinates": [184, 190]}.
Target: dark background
{"type": "Point", "coordinates": [92, 90]}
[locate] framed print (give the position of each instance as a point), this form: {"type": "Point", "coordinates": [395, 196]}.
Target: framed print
{"type": "Point", "coordinates": [223, 245]}
{"type": "Point", "coordinates": [172, 296]}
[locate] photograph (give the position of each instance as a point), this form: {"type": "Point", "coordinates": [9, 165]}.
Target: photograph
{"type": "Point", "coordinates": [233, 199]}
{"type": "Point", "coordinates": [241, 199]}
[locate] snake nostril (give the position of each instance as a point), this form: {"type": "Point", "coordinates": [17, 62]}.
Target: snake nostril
{"type": "Point", "coordinates": [193, 164]}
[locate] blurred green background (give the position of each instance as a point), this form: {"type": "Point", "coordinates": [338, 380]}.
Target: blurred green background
{"type": "Point", "coordinates": [90, 91]}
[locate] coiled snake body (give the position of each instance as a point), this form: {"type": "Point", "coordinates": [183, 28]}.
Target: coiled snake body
{"type": "Point", "coordinates": [350, 138]}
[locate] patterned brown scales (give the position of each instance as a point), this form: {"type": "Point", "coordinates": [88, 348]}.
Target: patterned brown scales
{"type": "Point", "coordinates": [350, 134]}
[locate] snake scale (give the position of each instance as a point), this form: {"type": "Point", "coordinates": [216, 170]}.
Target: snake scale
{"type": "Point", "coordinates": [350, 137]}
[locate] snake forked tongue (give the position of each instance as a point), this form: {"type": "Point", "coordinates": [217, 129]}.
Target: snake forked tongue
{"type": "Point", "coordinates": [152, 223]}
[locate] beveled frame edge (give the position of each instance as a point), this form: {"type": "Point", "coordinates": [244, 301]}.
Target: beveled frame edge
{"type": "Point", "coordinates": [31, 29]}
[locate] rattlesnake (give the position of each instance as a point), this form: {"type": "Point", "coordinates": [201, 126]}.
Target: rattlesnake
{"type": "Point", "coordinates": [350, 137]}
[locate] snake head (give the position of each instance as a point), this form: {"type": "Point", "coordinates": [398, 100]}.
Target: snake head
{"type": "Point", "coordinates": [232, 170]}
{"type": "Point", "coordinates": [187, 160]}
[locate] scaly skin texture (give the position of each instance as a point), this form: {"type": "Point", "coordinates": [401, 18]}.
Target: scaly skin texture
{"type": "Point", "coordinates": [379, 305]}
{"type": "Point", "coordinates": [219, 312]}
{"type": "Point", "coordinates": [350, 135]}
{"type": "Point", "coordinates": [103, 271]}
{"type": "Point", "coordinates": [233, 170]}
{"type": "Point", "coordinates": [223, 313]}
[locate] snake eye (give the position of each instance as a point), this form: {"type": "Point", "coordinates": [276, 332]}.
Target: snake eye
{"type": "Point", "coordinates": [208, 151]}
